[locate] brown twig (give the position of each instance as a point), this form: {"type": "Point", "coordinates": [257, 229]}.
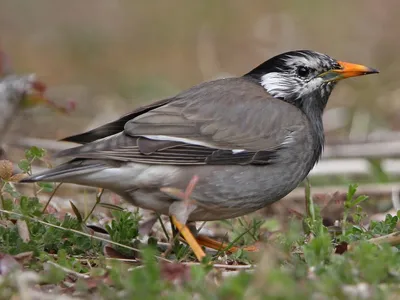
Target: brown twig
{"type": "Point", "coordinates": [373, 190]}
{"type": "Point", "coordinates": [98, 199]}
{"type": "Point", "coordinates": [392, 239]}
{"type": "Point", "coordinates": [51, 197]}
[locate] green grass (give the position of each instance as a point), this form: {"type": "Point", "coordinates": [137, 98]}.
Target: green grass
{"type": "Point", "coordinates": [307, 260]}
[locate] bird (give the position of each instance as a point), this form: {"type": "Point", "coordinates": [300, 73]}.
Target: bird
{"type": "Point", "coordinates": [248, 140]}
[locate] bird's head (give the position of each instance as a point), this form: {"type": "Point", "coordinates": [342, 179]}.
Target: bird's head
{"type": "Point", "coordinates": [304, 75]}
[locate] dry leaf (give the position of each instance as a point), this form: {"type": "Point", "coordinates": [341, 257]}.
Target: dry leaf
{"type": "Point", "coordinates": [18, 177]}
{"type": "Point", "coordinates": [23, 230]}
{"type": "Point", "coordinates": [24, 257]}
{"type": "Point", "coordinates": [341, 248]}
{"type": "Point", "coordinates": [8, 264]}
{"type": "Point", "coordinates": [175, 272]}
{"type": "Point", "coordinates": [94, 281]}
{"type": "Point", "coordinates": [110, 252]}
{"type": "Point", "coordinates": [76, 212]}
{"type": "Point", "coordinates": [146, 227]}
{"type": "Point", "coordinates": [6, 169]}
{"type": "Point", "coordinates": [36, 96]}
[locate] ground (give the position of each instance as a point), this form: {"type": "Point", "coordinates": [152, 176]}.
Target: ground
{"type": "Point", "coordinates": [50, 248]}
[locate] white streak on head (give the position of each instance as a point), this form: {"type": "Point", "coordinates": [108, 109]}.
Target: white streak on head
{"type": "Point", "coordinates": [305, 60]}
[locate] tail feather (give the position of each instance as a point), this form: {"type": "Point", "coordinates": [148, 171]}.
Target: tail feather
{"type": "Point", "coordinates": [67, 170]}
{"type": "Point", "coordinates": [108, 143]}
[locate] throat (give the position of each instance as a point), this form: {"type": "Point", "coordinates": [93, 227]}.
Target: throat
{"type": "Point", "coordinates": [313, 108]}
{"type": "Point", "coordinates": [318, 136]}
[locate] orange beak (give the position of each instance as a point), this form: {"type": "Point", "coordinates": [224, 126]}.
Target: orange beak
{"type": "Point", "coordinates": [347, 70]}
{"type": "Point", "coordinates": [351, 70]}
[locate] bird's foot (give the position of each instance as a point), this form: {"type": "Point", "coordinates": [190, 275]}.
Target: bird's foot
{"type": "Point", "coordinates": [189, 238]}
{"type": "Point", "coordinates": [221, 246]}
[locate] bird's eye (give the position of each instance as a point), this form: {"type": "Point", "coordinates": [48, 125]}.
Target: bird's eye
{"type": "Point", "coordinates": [303, 71]}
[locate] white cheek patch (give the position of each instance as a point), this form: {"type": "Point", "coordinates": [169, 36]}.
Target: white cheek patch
{"type": "Point", "coordinates": [284, 85]}
{"type": "Point", "coordinates": [278, 84]}
{"type": "Point", "coordinates": [272, 80]}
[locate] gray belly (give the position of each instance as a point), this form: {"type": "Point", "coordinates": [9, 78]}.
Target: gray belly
{"type": "Point", "coordinates": [222, 192]}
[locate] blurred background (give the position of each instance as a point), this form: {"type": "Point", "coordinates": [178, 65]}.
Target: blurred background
{"type": "Point", "coordinates": [112, 56]}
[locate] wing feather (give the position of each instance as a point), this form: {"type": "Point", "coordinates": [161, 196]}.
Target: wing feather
{"type": "Point", "coordinates": [213, 123]}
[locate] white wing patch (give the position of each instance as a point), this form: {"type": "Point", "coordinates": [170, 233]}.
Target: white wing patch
{"type": "Point", "coordinates": [289, 139]}
{"type": "Point", "coordinates": [186, 141]}
{"type": "Point", "coordinates": [236, 151]}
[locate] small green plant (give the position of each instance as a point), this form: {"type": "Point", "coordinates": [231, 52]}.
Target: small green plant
{"type": "Point", "coordinates": [302, 262]}
{"type": "Point", "coordinates": [45, 232]}
{"type": "Point", "coordinates": [124, 228]}
{"type": "Point", "coordinates": [350, 204]}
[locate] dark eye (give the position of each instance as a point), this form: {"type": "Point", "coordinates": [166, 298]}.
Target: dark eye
{"type": "Point", "coordinates": [303, 71]}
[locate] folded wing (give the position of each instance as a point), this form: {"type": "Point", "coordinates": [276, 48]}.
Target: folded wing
{"type": "Point", "coordinates": [228, 121]}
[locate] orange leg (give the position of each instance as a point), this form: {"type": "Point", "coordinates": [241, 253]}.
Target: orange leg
{"type": "Point", "coordinates": [213, 244]}
{"type": "Point", "coordinates": [190, 239]}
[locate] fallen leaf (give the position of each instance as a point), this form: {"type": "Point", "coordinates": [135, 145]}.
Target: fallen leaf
{"type": "Point", "coordinates": [93, 282]}
{"type": "Point", "coordinates": [36, 96]}
{"type": "Point", "coordinates": [8, 264]}
{"type": "Point", "coordinates": [146, 227]}
{"type": "Point", "coordinates": [24, 257]}
{"type": "Point", "coordinates": [110, 252]}
{"type": "Point", "coordinates": [175, 272]}
{"type": "Point", "coordinates": [23, 230]}
{"type": "Point", "coordinates": [17, 177]}
{"type": "Point", "coordinates": [6, 169]}
{"type": "Point", "coordinates": [51, 209]}
{"type": "Point", "coordinates": [76, 212]}
{"type": "Point", "coordinates": [97, 229]}
{"type": "Point", "coordinates": [39, 86]}
{"type": "Point", "coordinates": [341, 248]}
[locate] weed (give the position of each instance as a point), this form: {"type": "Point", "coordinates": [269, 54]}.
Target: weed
{"type": "Point", "coordinates": [303, 262]}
